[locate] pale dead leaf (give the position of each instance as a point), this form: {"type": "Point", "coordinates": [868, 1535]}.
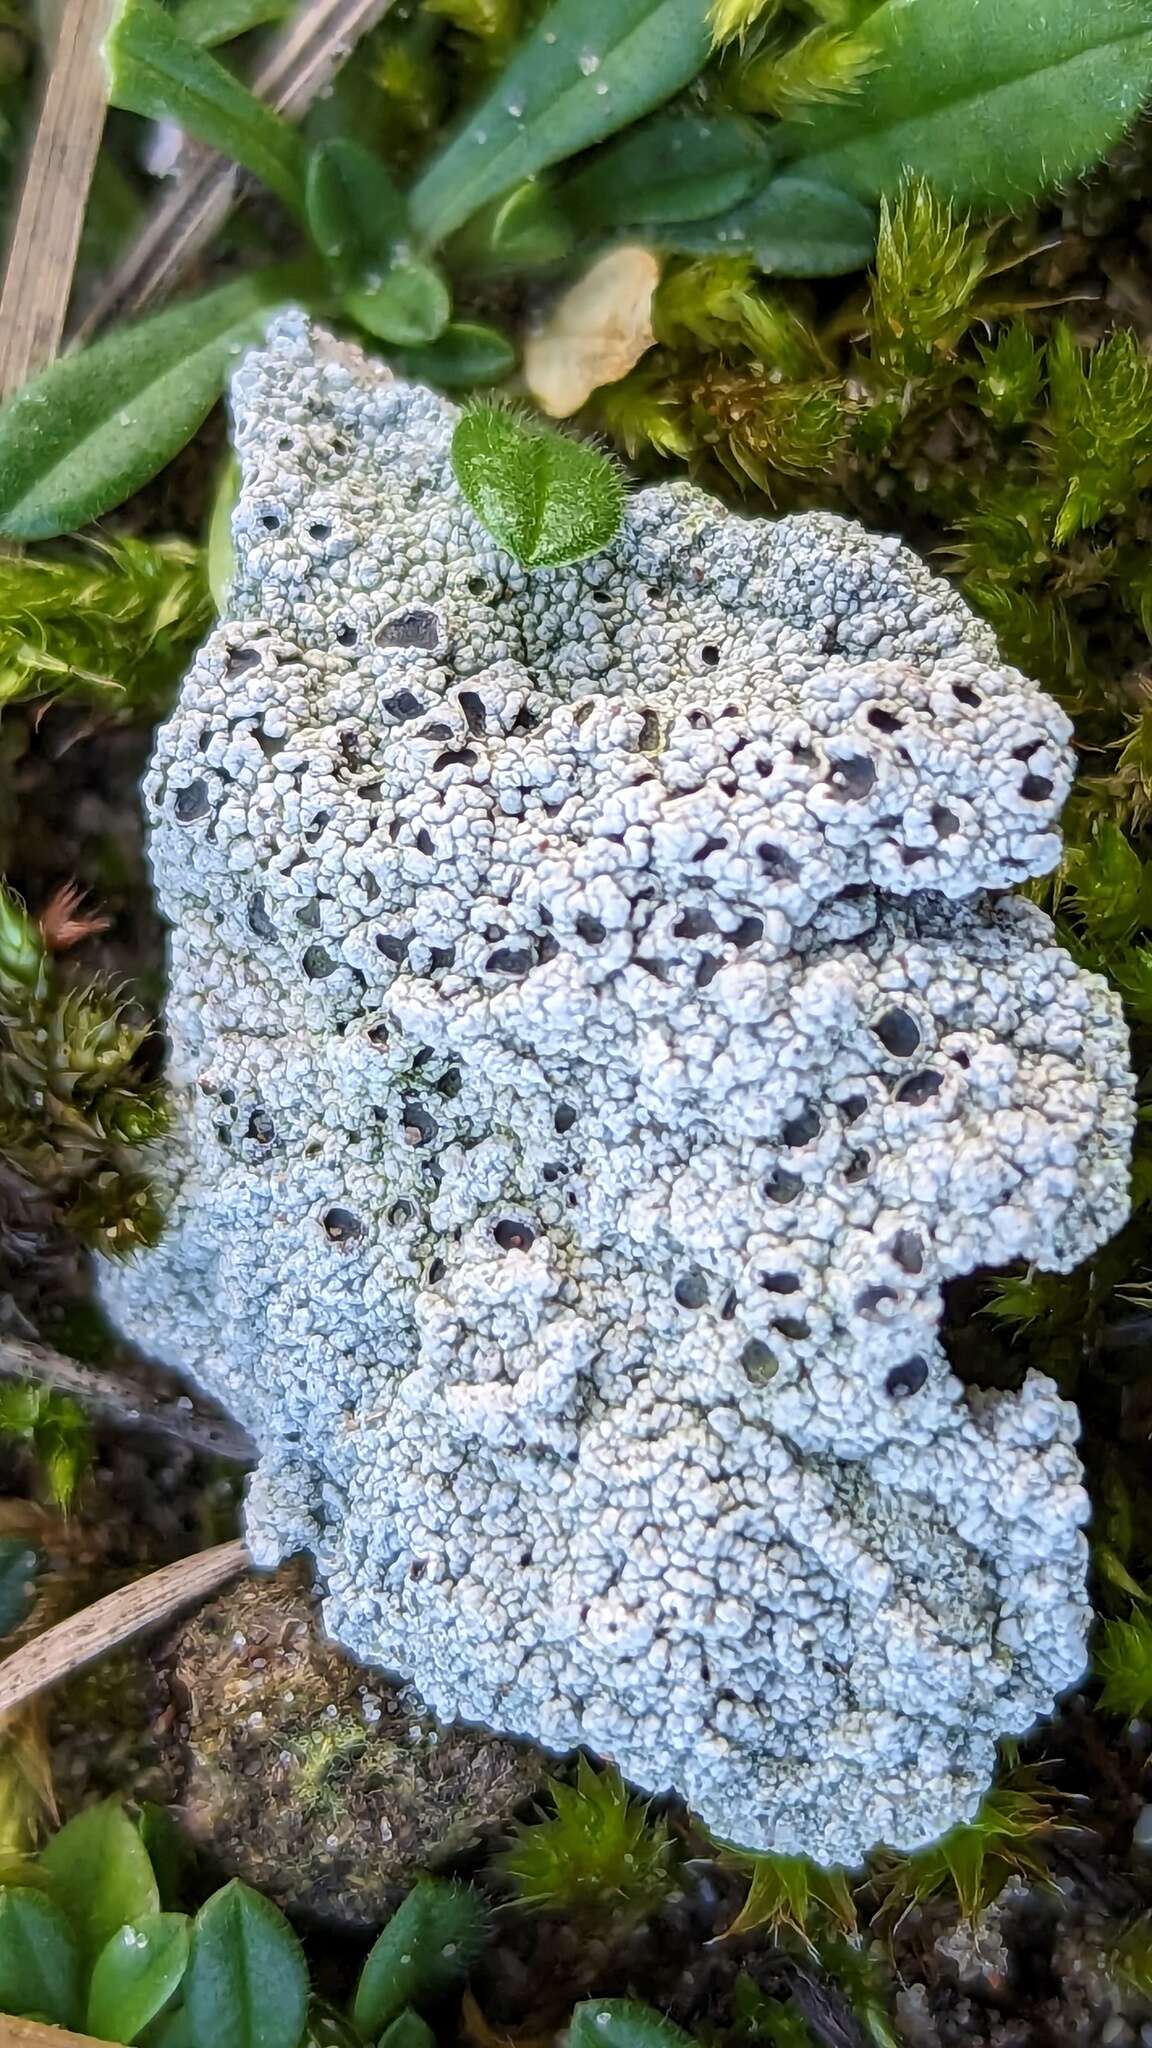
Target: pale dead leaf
{"type": "Point", "coordinates": [595, 333]}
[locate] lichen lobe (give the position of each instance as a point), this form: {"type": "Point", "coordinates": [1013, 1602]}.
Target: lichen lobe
{"type": "Point", "coordinates": [598, 1045]}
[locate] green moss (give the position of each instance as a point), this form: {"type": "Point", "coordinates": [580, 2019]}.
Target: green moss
{"type": "Point", "coordinates": [598, 1854]}
{"type": "Point", "coordinates": [974, 1861]}
{"type": "Point", "coordinates": [1123, 1659]}
{"type": "Point", "coordinates": [77, 1107]}
{"type": "Point", "coordinates": [110, 624]}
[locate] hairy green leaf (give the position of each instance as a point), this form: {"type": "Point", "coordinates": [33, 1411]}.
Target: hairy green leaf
{"type": "Point", "coordinates": [587, 69]}
{"type": "Point", "coordinates": [247, 1981]}
{"type": "Point", "coordinates": [408, 303]}
{"type": "Point", "coordinates": [623, 2023]}
{"type": "Point", "coordinates": [543, 497]}
{"type": "Point", "coordinates": [677, 166]}
{"type": "Point", "coordinates": [796, 226]}
{"type": "Point", "coordinates": [464, 356]}
{"type": "Point", "coordinates": [154, 70]}
{"type": "Point", "coordinates": [100, 1874]}
{"type": "Point", "coordinates": [356, 214]}
{"type": "Point", "coordinates": [209, 22]}
{"type": "Point", "coordinates": [428, 1943]}
{"type": "Point", "coordinates": [39, 1965]}
{"type": "Point", "coordinates": [991, 100]}
{"type": "Point", "coordinates": [94, 427]}
{"type": "Point", "coordinates": [135, 1974]}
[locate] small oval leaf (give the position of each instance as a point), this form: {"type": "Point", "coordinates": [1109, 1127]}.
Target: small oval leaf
{"type": "Point", "coordinates": [465, 355]}
{"type": "Point", "coordinates": [39, 1961]}
{"type": "Point", "coordinates": [408, 304]}
{"type": "Point", "coordinates": [247, 1982]}
{"type": "Point", "coordinates": [679, 166]}
{"type": "Point", "coordinates": [525, 229]}
{"type": "Point", "coordinates": [355, 212]}
{"type": "Point", "coordinates": [428, 1943]}
{"type": "Point", "coordinates": [135, 1974]}
{"type": "Point", "coordinates": [156, 71]}
{"type": "Point", "coordinates": [100, 1874]}
{"type": "Point", "coordinates": [95, 426]}
{"type": "Point", "coordinates": [795, 227]}
{"type": "Point", "coordinates": [543, 497]}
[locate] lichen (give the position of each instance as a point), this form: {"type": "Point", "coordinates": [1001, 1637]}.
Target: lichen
{"type": "Point", "coordinates": [596, 1046]}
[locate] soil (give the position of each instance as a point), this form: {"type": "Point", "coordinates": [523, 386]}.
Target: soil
{"type": "Point", "coordinates": [321, 1783]}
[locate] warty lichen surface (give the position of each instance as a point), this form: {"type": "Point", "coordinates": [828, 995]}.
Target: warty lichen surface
{"type": "Point", "coordinates": [595, 1049]}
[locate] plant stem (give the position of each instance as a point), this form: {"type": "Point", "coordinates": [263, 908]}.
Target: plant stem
{"type": "Point", "coordinates": [50, 214]}
{"type": "Point", "coordinates": [67, 1648]}
{"type": "Point", "coordinates": [126, 1402]}
{"type": "Point", "coordinates": [299, 62]}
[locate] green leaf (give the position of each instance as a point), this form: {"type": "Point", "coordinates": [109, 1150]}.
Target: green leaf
{"type": "Point", "coordinates": [427, 1945]}
{"type": "Point", "coordinates": [796, 226]}
{"type": "Point", "coordinates": [219, 551]}
{"type": "Point", "coordinates": [356, 214]}
{"type": "Point", "coordinates": [135, 1975]}
{"type": "Point", "coordinates": [464, 356]}
{"type": "Point", "coordinates": [18, 1567]}
{"type": "Point", "coordinates": [359, 222]}
{"type": "Point", "coordinates": [1122, 1657]}
{"type": "Point", "coordinates": [247, 1982]}
{"type": "Point", "coordinates": [100, 1874]}
{"type": "Point", "coordinates": [155, 71]}
{"type": "Point", "coordinates": [94, 427]}
{"type": "Point", "coordinates": [992, 101]}
{"type": "Point", "coordinates": [408, 2030]}
{"type": "Point", "coordinates": [523, 230]}
{"type": "Point", "coordinates": [328, 2027]}
{"type": "Point", "coordinates": [586, 69]}
{"type": "Point", "coordinates": [676, 167]}
{"type": "Point", "coordinates": [408, 303]}
{"type": "Point", "coordinates": [39, 1965]}
{"type": "Point", "coordinates": [543, 497]}
{"type": "Point", "coordinates": [169, 1852]}
{"type": "Point", "coordinates": [623, 2023]}
{"type": "Point", "coordinates": [171, 2030]}
{"type": "Point", "coordinates": [209, 22]}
